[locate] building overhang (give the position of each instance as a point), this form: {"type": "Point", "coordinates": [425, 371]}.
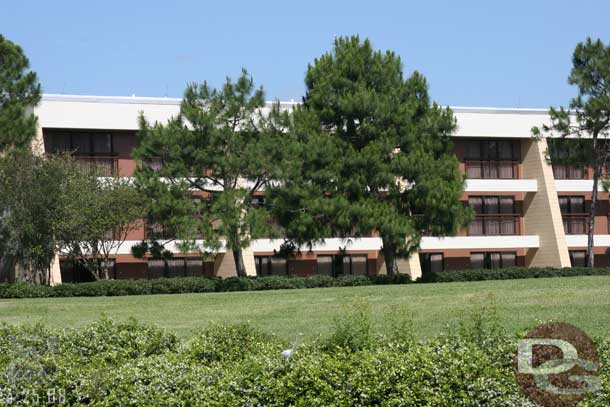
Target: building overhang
{"type": "Point", "coordinates": [501, 185]}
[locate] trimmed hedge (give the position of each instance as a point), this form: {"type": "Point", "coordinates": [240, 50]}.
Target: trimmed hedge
{"type": "Point", "coordinates": [182, 285]}
{"type": "Point", "coordinates": [131, 364]}
{"type": "Point", "coordinates": [511, 273]}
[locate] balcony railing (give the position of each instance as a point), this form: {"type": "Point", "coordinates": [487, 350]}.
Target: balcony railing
{"type": "Point", "coordinates": [158, 231]}
{"type": "Point", "coordinates": [575, 224]}
{"type": "Point", "coordinates": [102, 166]}
{"type": "Point", "coordinates": [492, 169]}
{"type": "Point", "coordinates": [495, 225]}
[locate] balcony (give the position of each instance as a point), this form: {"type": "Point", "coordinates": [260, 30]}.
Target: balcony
{"type": "Point", "coordinates": [575, 224]}
{"type": "Point", "coordinates": [158, 231]}
{"type": "Point", "coordinates": [495, 225]}
{"type": "Point", "coordinates": [104, 166]}
{"type": "Point", "coordinates": [492, 169]}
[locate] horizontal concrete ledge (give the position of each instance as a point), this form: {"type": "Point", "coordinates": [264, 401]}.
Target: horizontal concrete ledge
{"type": "Point", "coordinates": [501, 185]}
{"type": "Point", "coordinates": [375, 243]}
{"type": "Point", "coordinates": [331, 244]}
{"type": "Point", "coordinates": [126, 246]}
{"type": "Point", "coordinates": [581, 240]}
{"type": "Point", "coordinates": [576, 185]}
{"type": "Point", "coordinates": [480, 242]}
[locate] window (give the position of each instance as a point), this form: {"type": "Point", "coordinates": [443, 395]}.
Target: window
{"type": "Point", "coordinates": [156, 268]}
{"type": "Point", "coordinates": [492, 158]}
{"type": "Point", "coordinates": [358, 265]}
{"type": "Point", "coordinates": [572, 204]}
{"type": "Point", "coordinates": [325, 265]}
{"type": "Point", "coordinates": [559, 150]}
{"type": "Point", "coordinates": [496, 215]}
{"type": "Point", "coordinates": [87, 144]}
{"type": "Point", "coordinates": [279, 266]}
{"type": "Point", "coordinates": [342, 264]}
{"type": "Point", "coordinates": [194, 267]}
{"type": "Point", "coordinates": [578, 258]}
{"type": "Point", "coordinates": [176, 267]}
{"type": "Point", "coordinates": [258, 200]}
{"type": "Point", "coordinates": [573, 214]}
{"type": "Point", "coordinates": [432, 262]}
{"type": "Point", "coordinates": [263, 265]}
{"type": "Point", "coordinates": [493, 260]}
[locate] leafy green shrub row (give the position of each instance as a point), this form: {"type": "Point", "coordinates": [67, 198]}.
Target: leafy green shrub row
{"type": "Point", "coordinates": [181, 285]}
{"type": "Point", "coordinates": [128, 364]}
{"type": "Point", "coordinates": [511, 273]}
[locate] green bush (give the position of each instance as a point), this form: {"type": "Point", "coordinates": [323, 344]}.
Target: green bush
{"type": "Point", "coordinates": [511, 273]}
{"type": "Point", "coordinates": [129, 364]}
{"type": "Point", "coordinates": [181, 285]}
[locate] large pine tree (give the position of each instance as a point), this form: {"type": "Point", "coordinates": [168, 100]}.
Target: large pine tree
{"type": "Point", "coordinates": [215, 158]}
{"type": "Point", "coordinates": [375, 155]}
{"type": "Point", "coordinates": [19, 93]}
{"type": "Point", "coordinates": [586, 122]}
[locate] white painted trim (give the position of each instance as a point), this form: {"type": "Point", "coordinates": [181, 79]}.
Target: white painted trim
{"type": "Point", "coordinates": [581, 240]}
{"type": "Point", "coordinates": [576, 185]}
{"type": "Point", "coordinates": [331, 244]}
{"type": "Point", "coordinates": [479, 242]}
{"type": "Point", "coordinates": [126, 246]}
{"type": "Point", "coordinates": [501, 185]}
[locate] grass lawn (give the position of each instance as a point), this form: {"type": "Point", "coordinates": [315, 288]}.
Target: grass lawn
{"type": "Point", "coordinates": [519, 304]}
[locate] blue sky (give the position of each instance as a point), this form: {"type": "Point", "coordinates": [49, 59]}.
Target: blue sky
{"type": "Point", "coordinates": [474, 53]}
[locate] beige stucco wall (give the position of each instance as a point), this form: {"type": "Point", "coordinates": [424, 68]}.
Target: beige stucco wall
{"type": "Point", "coordinates": [542, 213]}
{"type": "Point", "coordinates": [224, 264]}
{"type": "Point", "coordinates": [55, 272]}
{"type": "Point", "coordinates": [410, 266]}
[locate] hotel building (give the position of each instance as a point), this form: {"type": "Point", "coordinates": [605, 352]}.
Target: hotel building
{"type": "Point", "coordinates": [528, 212]}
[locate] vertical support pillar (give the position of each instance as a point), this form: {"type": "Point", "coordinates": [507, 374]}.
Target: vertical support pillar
{"type": "Point", "coordinates": [542, 214]}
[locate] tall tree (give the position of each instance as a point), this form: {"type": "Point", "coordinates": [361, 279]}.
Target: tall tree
{"type": "Point", "coordinates": [97, 221]}
{"type": "Point", "coordinates": [19, 93]}
{"type": "Point", "coordinates": [204, 169]}
{"type": "Point", "coordinates": [375, 155]}
{"type": "Point", "coordinates": [587, 120]}
{"type": "Point", "coordinates": [34, 194]}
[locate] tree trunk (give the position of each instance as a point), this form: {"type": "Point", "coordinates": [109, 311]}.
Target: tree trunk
{"type": "Point", "coordinates": [389, 254]}
{"type": "Point", "coordinates": [106, 272]}
{"type": "Point", "coordinates": [240, 268]}
{"type": "Point", "coordinates": [7, 269]}
{"type": "Point", "coordinates": [590, 254]}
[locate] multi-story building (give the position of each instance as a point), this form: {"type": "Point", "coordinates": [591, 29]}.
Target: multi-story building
{"type": "Point", "coordinates": [528, 213]}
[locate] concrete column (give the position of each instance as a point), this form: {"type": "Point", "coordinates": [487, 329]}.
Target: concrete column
{"type": "Point", "coordinates": [55, 272]}
{"type": "Point", "coordinates": [410, 266]}
{"type": "Point", "coordinates": [542, 214]}
{"type": "Point", "coordinates": [224, 264]}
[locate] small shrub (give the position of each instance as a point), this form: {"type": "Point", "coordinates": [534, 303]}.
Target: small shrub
{"type": "Point", "coordinates": [226, 343]}
{"type": "Point", "coordinates": [352, 281]}
{"type": "Point", "coordinates": [353, 329]}
{"type": "Point", "coordinates": [320, 281]}
{"type": "Point", "coordinates": [511, 273]}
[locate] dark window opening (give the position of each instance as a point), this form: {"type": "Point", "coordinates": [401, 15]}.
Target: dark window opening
{"type": "Point", "coordinates": [342, 264]}
{"type": "Point", "coordinates": [578, 258]}
{"type": "Point", "coordinates": [573, 213]}
{"type": "Point", "coordinates": [432, 262]}
{"type": "Point", "coordinates": [490, 159]}
{"type": "Point", "coordinates": [495, 215]}
{"type": "Point", "coordinates": [493, 260]}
